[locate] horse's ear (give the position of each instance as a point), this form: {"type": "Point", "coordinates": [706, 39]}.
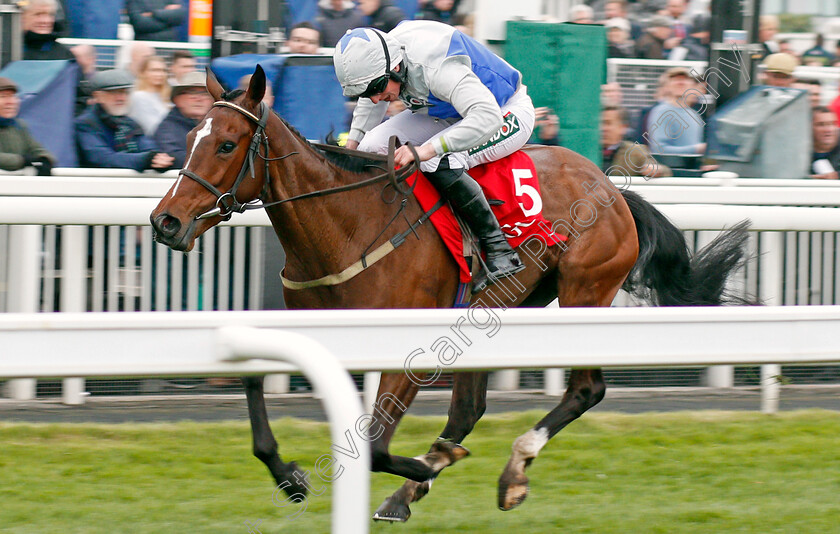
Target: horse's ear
{"type": "Point", "coordinates": [213, 85]}
{"type": "Point", "coordinates": [256, 89]}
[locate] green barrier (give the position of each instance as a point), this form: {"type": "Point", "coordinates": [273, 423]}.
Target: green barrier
{"type": "Point", "coordinates": [563, 66]}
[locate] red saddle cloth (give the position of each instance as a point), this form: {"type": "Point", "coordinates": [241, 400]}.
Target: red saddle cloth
{"type": "Point", "coordinates": [512, 180]}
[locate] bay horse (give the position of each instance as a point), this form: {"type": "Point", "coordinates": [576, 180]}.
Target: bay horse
{"type": "Point", "coordinates": [325, 221]}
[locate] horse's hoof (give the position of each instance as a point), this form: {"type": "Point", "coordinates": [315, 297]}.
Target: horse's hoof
{"type": "Point", "coordinates": [453, 451]}
{"type": "Point", "coordinates": [512, 494]}
{"type": "Point", "coordinates": [293, 487]}
{"type": "Point", "coordinates": [392, 511]}
{"type": "Point", "coordinates": [513, 489]}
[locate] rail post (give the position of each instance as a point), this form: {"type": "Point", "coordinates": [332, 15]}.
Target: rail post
{"type": "Point", "coordinates": [24, 280]}
{"type": "Point", "coordinates": [770, 293]}
{"type": "Point", "coordinates": [73, 296]}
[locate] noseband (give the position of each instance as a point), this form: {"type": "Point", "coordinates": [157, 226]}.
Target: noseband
{"type": "Point", "coordinates": [226, 203]}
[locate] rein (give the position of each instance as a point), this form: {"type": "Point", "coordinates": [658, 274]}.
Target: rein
{"type": "Point", "coordinates": [227, 204]}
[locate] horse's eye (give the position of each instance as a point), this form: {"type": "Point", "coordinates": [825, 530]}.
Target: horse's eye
{"type": "Point", "coordinates": [227, 147]}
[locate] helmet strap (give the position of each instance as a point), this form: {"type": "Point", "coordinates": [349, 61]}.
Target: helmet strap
{"type": "Point", "coordinates": [387, 55]}
{"type": "Point", "coordinates": [398, 76]}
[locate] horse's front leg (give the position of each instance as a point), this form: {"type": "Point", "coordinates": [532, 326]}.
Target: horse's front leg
{"type": "Point", "coordinates": [395, 395]}
{"type": "Point", "coordinates": [469, 395]}
{"type": "Point", "coordinates": [287, 476]}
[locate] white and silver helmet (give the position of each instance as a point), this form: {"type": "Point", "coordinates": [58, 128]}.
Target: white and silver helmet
{"type": "Point", "coordinates": [364, 59]}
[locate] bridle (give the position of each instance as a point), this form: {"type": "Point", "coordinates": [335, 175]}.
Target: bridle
{"type": "Point", "coordinates": [226, 203]}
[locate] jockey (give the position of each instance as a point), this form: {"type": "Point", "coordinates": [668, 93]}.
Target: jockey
{"type": "Point", "coordinates": [465, 106]}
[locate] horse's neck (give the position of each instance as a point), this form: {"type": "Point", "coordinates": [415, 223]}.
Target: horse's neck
{"type": "Point", "coordinates": [321, 235]}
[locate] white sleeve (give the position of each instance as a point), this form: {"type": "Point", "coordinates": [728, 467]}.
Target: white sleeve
{"type": "Point", "coordinates": [366, 116]}
{"type": "Point", "coordinates": [457, 84]}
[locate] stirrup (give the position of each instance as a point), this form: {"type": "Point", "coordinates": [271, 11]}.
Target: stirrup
{"type": "Point", "coordinates": [502, 269]}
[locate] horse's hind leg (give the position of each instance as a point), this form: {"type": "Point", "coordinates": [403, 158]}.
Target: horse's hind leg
{"type": "Point", "coordinates": [469, 394]}
{"type": "Point", "coordinates": [586, 389]}
{"type": "Point", "coordinates": [588, 275]}
{"type": "Point", "coordinates": [287, 476]}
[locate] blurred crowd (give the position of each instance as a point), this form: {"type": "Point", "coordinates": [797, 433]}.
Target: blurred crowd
{"type": "Point", "coordinates": [137, 117]}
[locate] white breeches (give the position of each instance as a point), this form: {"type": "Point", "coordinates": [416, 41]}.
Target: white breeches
{"type": "Point", "coordinates": [417, 128]}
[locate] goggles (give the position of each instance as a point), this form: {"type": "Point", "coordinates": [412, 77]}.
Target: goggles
{"type": "Point", "coordinates": [376, 86]}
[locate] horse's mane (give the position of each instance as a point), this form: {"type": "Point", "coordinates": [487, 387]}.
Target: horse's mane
{"type": "Point", "coordinates": [348, 162]}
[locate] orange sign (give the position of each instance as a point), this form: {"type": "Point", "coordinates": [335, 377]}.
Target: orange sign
{"type": "Point", "coordinates": [201, 20]}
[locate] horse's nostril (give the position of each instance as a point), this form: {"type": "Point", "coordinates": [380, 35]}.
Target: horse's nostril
{"type": "Point", "coordinates": [167, 225]}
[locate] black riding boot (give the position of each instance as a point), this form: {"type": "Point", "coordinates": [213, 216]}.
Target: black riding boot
{"type": "Point", "coordinates": [468, 200]}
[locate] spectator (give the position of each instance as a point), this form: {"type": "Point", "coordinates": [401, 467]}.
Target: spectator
{"type": "Point", "coordinates": [581, 14]}
{"type": "Point", "coordinates": [304, 38]}
{"type": "Point", "coordinates": [138, 52]}
{"type": "Point", "coordinates": [18, 149]}
{"type": "Point", "coordinates": [778, 69]}
{"type": "Point", "coordinates": [785, 46]}
{"type": "Point", "coordinates": [657, 41]}
{"type": "Point", "coordinates": [673, 126]}
{"type": "Point", "coordinates": [768, 27]}
{"type": "Point", "coordinates": [183, 63]}
{"type": "Point", "coordinates": [546, 128]}
{"type": "Point", "coordinates": [150, 99]}
{"type": "Point", "coordinates": [626, 158]}
{"type": "Point", "coordinates": [192, 102]}
{"type": "Point", "coordinates": [617, 9]}
{"type": "Point", "coordinates": [697, 42]}
{"type": "Point", "coordinates": [825, 161]}
{"type": "Point", "coordinates": [438, 10]}
{"type": "Point", "coordinates": [661, 95]}
{"type": "Point", "coordinates": [107, 137]}
{"type": "Point", "coordinates": [86, 59]}
{"type": "Point", "coordinates": [611, 94]}
{"type": "Point", "coordinates": [335, 17]}
{"type": "Point", "coordinates": [817, 56]}
{"type": "Point", "coordinates": [814, 89]}
{"type": "Point", "coordinates": [85, 55]}
{"type": "Point", "coordinates": [618, 33]}
{"type": "Point", "coordinates": [384, 16]}
{"type": "Point", "coordinates": [155, 20]}
{"type": "Point", "coordinates": [39, 37]}
{"type": "Point", "coordinates": [676, 12]}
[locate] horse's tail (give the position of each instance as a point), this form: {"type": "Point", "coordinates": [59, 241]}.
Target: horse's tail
{"type": "Point", "coordinates": [666, 275]}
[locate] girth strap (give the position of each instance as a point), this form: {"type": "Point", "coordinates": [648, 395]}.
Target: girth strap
{"type": "Point", "coordinates": [366, 261]}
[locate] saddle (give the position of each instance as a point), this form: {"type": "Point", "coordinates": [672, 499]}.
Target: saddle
{"type": "Point", "coordinates": [509, 184]}
{"type": "Point", "coordinates": [513, 192]}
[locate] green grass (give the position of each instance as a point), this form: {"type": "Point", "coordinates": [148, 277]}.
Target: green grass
{"type": "Point", "coordinates": [699, 472]}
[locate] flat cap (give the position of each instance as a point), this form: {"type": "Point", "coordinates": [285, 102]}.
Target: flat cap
{"type": "Point", "coordinates": [111, 80]}
{"type": "Point", "coordinates": [659, 20]}
{"type": "Point", "coordinates": [8, 85]}
{"type": "Point", "coordinates": [191, 80]}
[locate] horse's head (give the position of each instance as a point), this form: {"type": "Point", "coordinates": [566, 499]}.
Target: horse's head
{"type": "Point", "coordinates": [223, 170]}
